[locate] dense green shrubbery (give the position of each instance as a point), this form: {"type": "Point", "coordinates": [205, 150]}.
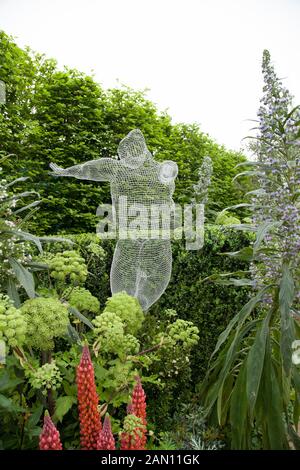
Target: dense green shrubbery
{"type": "Point", "coordinates": [208, 305]}
{"type": "Point", "coordinates": [201, 303]}
{"type": "Point", "coordinates": [67, 118]}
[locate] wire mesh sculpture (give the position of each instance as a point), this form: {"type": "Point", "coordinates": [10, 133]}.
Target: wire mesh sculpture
{"type": "Point", "coordinates": [2, 92]}
{"type": "Point", "coordinates": [143, 188]}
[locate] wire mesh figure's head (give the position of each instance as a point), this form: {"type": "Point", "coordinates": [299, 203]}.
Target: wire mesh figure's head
{"type": "Point", "coordinates": [133, 150]}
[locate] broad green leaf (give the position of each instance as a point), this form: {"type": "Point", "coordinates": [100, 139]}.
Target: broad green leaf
{"type": "Point", "coordinates": [273, 405]}
{"type": "Point", "coordinates": [57, 239]}
{"type": "Point", "coordinates": [35, 417]}
{"type": "Point", "coordinates": [217, 277]}
{"type": "Point", "coordinates": [296, 410]}
{"type": "Point", "coordinates": [262, 231]}
{"type": "Point", "coordinates": [35, 266]}
{"type": "Point", "coordinates": [17, 180]}
{"type": "Point", "coordinates": [248, 173]}
{"type": "Point", "coordinates": [252, 163]}
{"type": "Point", "coordinates": [24, 277]}
{"type": "Point", "coordinates": [237, 206]}
{"type": "Point", "coordinates": [296, 381]}
{"type": "Point", "coordinates": [12, 292]}
{"type": "Point", "coordinates": [7, 383]}
{"type": "Point", "coordinates": [238, 409]}
{"type": "Point", "coordinates": [291, 113]}
{"type": "Point", "coordinates": [226, 398]}
{"type": "Point", "coordinates": [63, 405]}
{"type": "Point", "coordinates": [73, 335]}
{"type": "Point", "coordinates": [286, 297]}
{"type": "Point", "coordinates": [6, 403]}
{"type": "Point", "coordinates": [21, 195]}
{"type": "Point", "coordinates": [29, 206]}
{"type": "Point", "coordinates": [245, 254]}
{"type": "Point", "coordinates": [240, 317]}
{"type": "Point", "coordinates": [28, 237]}
{"type": "Point", "coordinates": [81, 317]}
{"type": "Point", "coordinates": [256, 192]}
{"type": "Point", "coordinates": [255, 363]}
{"type": "Point", "coordinates": [243, 227]}
{"type": "Point", "coordinates": [235, 282]}
{"type": "Point", "coordinates": [226, 362]}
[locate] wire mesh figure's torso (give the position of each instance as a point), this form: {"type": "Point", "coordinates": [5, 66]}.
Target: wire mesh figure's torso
{"type": "Point", "coordinates": [141, 265]}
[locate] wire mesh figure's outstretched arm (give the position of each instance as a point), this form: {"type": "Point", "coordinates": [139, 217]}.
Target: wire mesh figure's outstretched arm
{"type": "Point", "coordinates": [94, 170]}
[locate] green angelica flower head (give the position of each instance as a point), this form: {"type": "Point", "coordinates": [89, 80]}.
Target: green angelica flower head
{"type": "Point", "coordinates": [13, 324]}
{"type": "Point", "coordinates": [111, 338]}
{"type": "Point", "coordinates": [82, 299]}
{"type": "Point", "coordinates": [109, 330]}
{"type": "Point", "coordinates": [68, 265]}
{"type": "Point", "coordinates": [183, 332]}
{"type": "Point", "coordinates": [47, 318]}
{"type": "Point", "coordinates": [128, 309]}
{"type": "Point", "coordinates": [46, 377]}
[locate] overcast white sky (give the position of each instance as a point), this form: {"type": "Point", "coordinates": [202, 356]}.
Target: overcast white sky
{"type": "Point", "coordinates": [199, 58]}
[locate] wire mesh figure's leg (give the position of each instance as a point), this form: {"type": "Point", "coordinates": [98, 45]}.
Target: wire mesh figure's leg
{"type": "Point", "coordinates": [142, 268]}
{"type": "Point", "coordinates": [123, 268]}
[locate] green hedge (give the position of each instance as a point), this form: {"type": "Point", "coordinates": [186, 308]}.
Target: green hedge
{"type": "Point", "coordinates": [208, 305]}
{"type": "Point", "coordinates": [67, 118]}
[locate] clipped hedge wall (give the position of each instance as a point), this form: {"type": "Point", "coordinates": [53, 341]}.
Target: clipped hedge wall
{"type": "Point", "coordinates": [209, 305]}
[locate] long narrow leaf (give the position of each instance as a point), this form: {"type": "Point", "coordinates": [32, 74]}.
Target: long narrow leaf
{"type": "Point", "coordinates": [81, 317]}
{"type": "Point", "coordinates": [28, 237]}
{"type": "Point", "coordinates": [286, 297]}
{"type": "Point", "coordinates": [17, 180]}
{"type": "Point", "coordinates": [29, 206]}
{"type": "Point", "coordinates": [24, 277]}
{"type": "Point", "coordinates": [12, 292]}
{"type": "Point", "coordinates": [238, 410]}
{"type": "Point", "coordinates": [273, 405]}
{"type": "Point", "coordinates": [262, 231]}
{"type": "Point", "coordinates": [57, 239]}
{"type": "Point", "coordinates": [240, 317]}
{"type": "Point", "coordinates": [245, 254]}
{"type": "Point", "coordinates": [255, 363]}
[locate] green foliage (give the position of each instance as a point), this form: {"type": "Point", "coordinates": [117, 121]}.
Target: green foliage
{"type": "Point", "coordinates": [251, 383]}
{"type": "Point", "coordinates": [190, 430]}
{"type": "Point", "coordinates": [14, 240]}
{"type": "Point", "coordinates": [19, 412]}
{"type": "Point", "coordinates": [47, 318]}
{"type": "Point", "coordinates": [67, 118]}
{"type": "Point", "coordinates": [196, 301]}
{"type": "Point", "coordinates": [162, 350]}
{"type": "Point", "coordinates": [13, 324]}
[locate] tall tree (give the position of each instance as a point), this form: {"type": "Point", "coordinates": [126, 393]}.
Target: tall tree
{"type": "Point", "coordinates": [66, 117]}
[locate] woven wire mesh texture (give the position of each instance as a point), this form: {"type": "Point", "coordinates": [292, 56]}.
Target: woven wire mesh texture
{"type": "Point", "coordinates": [2, 92]}
{"type": "Point", "coordinates": [141, 189]}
